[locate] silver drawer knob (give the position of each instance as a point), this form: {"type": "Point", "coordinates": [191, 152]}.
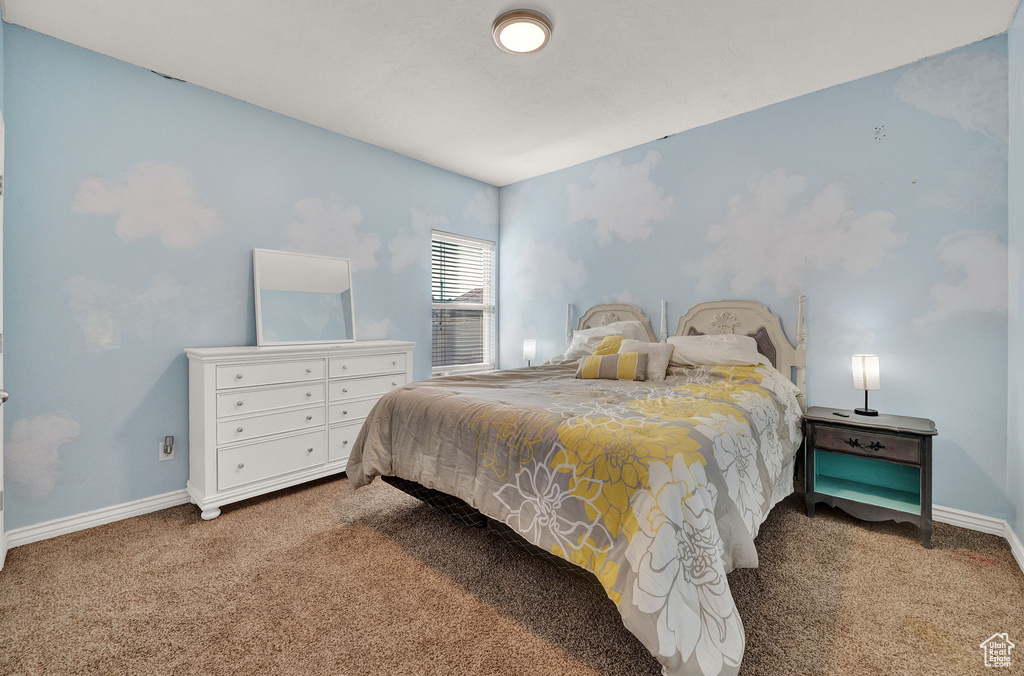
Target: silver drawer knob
{"type": "Point", "coordinates": [241, 465]}
{"type": "Point", "coordinates": [394, 363]}
{"type": "Point", "coordinates": [345, 443]}
{"type": "Point", "coordinates": [309, 450]}
{"type": "Point", "coordinates": [238, 377]}
{"type": "Point", "coordinates": [309, 394]}
{"type": "Point", "coordinates": [344, 389]}
{"type": "Point", "coordinates": [238, 403]}
{"type": "Point", "coordinates": [309, 370]}
{"type": "Point", "coordinates": [309, 417]}
{"type": "Point", "coordinates": [394, 383]}
{"type": "Point", "coordinates": [344, 412]}
{"type": "Point", "coordinates": [239, 429]}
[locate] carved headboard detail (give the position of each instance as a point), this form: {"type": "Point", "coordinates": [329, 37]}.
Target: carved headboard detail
{"type": "Point", "coordinates": [752, 319]}
{"type": "Point", "coordinates": [603, 315]}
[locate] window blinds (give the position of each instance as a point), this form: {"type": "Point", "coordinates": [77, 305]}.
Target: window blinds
{"type": "Point", "coordinates": [462, 303]}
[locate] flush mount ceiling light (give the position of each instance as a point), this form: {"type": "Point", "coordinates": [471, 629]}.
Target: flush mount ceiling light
{"type": "Point", "coordinates": [521, 31]}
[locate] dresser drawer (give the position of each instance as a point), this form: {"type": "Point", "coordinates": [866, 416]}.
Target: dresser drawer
{"type": "Point", "coordinates": [364, 366]}
{"type": "Point", "coordinates": [270, 373]}
{"type": "Point", "coordinates": [237, 403]}
{"type": "Point", "coordinates": [365, 387]}
{"type": "Point", "coordinates": [340, 440]}
{"type": "Point", "coordinates": [351, 410]}
{"type": "Point", "coordinates": [243, 464]}
{"type": "Point", "coordinates": [869, 444]}
{"type": "Point", "coordinates": [269, 423]}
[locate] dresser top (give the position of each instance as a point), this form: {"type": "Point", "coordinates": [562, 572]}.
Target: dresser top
{"type": "Point", "coordinates": [882, 421]}
{"type": "Point", "coordinates": [317, 350]}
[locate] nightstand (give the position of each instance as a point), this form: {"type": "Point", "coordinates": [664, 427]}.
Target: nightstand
{"type": "Point", "coordinates": [876, 468]}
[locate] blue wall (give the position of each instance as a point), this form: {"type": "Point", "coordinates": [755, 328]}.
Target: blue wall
{"type": "Point", "coordinates": [133, 204]}
{"type": "Point", "coordinates": [883, 200]}
{"type": "Point", "coordinates": [1015, 365]}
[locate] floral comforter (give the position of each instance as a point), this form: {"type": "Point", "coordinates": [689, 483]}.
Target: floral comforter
{"type": "Point", "coordinates": [658, 488]}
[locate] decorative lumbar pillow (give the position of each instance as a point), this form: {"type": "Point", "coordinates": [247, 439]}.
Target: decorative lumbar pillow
{"type": "Point", "coordinates": [585, 341]}
{"type": "Point", "coordinates": [609, 345]}
{"type": "Point", "coordinates": [658, 356]}
{"type": "Point", "coordinates": [622, 366]}
{"type": "Point", "coordinates": [723, 350]}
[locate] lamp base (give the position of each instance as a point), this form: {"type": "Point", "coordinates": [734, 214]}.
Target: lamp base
{"type": "Point", "coordinates": [865, 411]}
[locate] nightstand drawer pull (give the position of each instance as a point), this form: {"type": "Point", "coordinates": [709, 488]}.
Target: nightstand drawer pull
{"type": "Point", "coordinates": [876, 445]}
{"type": "Point", "coordinates": [855, 443]}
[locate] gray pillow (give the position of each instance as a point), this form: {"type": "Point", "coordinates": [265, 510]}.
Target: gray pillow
{"type": "Point", "coordinates": [658, 356]}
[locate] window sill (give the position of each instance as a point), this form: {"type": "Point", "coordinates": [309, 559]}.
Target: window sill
{"type": "Point", "coordinates": [467, 369]}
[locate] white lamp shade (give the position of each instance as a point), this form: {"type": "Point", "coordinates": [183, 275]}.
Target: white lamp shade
{"type": "Point", "coordinates": [865, 372]}
{"type": "Point", "coordinates": [529, 349]}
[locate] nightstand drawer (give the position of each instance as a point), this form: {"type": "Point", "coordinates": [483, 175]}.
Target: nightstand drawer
{"type": "Point", "coordinates": [868, 444]}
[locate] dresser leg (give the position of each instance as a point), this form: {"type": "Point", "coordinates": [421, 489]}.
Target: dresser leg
{"type": "Point", "coordinates": [926, 535]}
{"type": "Point", "coordinates": [209, 514]}
{"type": "Point", "coordinates": [809, 503]}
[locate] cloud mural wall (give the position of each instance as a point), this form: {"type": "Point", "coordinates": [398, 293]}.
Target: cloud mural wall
{"type": "Point", "coordinates": [979, 257]}
{"type": "Point", "coordinates": [883, 200]}
{"type": "Point", "coordinates": [968, 87]}
{"type": "Point", "coordinates": [546, 269]}
{"type": "Point", "coordinates": [621, 199]}
{"type": "Point", "coordinates": [152, 199]}
{"type": "Point", "coordinates": [778, 235]}
{"type": "Point", "coordinates": [333, 228]}
{"type": "Point", "coordinates": [140, 246]}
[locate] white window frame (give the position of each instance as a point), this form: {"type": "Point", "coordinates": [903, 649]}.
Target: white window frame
{"type": "Point", "coordinates": [490, 308]}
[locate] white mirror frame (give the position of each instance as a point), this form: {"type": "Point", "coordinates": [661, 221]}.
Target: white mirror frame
{"type": "Point", "coordinates": [260, 342]}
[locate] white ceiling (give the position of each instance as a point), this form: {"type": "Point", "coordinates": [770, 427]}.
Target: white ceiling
{"type": "Point", "coordinates": [423, 78]}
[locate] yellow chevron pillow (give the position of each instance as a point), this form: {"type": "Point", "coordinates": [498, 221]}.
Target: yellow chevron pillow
{"type": "Point", "coordinates": [610, 345]}
{"type": "Point", "coordinates": [624, 366]}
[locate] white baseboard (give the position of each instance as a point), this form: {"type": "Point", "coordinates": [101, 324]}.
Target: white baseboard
{"type": "Point", "coordinates": [1015, 546]}
{"type": "Point", "coordinates": [984, 524]}
{"type": "Point", "coordinates": [969, 520]}
{"type": "Point", "coordinates": [97, 517]}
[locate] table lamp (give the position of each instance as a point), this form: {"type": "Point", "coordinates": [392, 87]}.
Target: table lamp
{"type": "Point", "coordinates": [529, 350]}
{"type": "Point", "coordinates": [865, 377]}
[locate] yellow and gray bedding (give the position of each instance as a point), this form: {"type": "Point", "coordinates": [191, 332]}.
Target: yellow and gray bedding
{"type": "Point", "coordinates": [658, 488]}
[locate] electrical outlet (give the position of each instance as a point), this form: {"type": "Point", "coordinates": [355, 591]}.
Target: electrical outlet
{"type": "Point", "coordinates": [164, 455]}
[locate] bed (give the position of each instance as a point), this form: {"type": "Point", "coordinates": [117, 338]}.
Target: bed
{"type": "Point", "coordinates": [657, 489]}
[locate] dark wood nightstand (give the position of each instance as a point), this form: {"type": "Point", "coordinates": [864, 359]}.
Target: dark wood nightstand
{"type": "Point", "coordinates": [876, 468]}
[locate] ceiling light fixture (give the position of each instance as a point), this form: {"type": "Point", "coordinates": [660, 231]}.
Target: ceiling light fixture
{"type": "Point", "coordinates": [521, 31]}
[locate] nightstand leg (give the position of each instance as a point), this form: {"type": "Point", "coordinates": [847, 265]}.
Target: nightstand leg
{"type": "Point", "coordinates": [926, 535]}
{"type": "Point", "coordinates": [809, 503]}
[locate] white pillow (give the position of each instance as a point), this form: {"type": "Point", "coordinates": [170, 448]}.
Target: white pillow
{"type": "Point", "coordinates": [723, 350]}
{"type": "Point", "coordinates": [658, 356]}
{"type": "Point", "coordinates": [585, 341]}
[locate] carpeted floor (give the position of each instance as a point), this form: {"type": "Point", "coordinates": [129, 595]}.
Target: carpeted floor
{"type": "Point", "coordinates": [324, 580]}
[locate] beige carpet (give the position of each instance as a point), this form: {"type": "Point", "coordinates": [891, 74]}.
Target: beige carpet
{"type": "Point", "coordinates": [323, 580]}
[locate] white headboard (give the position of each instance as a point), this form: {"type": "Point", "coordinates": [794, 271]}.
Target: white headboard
{"type": "Point", "coordinates": [745, 317]}
{"type": "Point", "coordinates": [603, 315]}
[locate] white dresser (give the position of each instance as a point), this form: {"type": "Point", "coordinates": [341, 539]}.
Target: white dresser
{"type": "Point", "coordinates": [263, 418]}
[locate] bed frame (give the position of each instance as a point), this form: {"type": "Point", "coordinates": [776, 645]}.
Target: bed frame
{"type": "Point", "coordinates": [742, 317]}
{"type": "Point", "coordinates": [714, 318]}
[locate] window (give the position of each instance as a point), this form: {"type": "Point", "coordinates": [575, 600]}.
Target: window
{"type": "Point", "coordinates": [462, 304]}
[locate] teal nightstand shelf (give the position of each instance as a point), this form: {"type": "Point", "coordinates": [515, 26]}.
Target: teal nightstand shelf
{"type": "Point", "coordinates": [874, 468]}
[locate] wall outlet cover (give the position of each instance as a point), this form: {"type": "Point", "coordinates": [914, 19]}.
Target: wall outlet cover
{"type": "Point", "coordinates": [166, 456]}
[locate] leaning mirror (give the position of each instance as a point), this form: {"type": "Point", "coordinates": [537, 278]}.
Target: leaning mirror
{"type": "Point", "coordinates": [302, 298]}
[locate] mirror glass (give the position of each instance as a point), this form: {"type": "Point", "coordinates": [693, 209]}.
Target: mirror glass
{"type": "Point", "coordinates": [302, 298]}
